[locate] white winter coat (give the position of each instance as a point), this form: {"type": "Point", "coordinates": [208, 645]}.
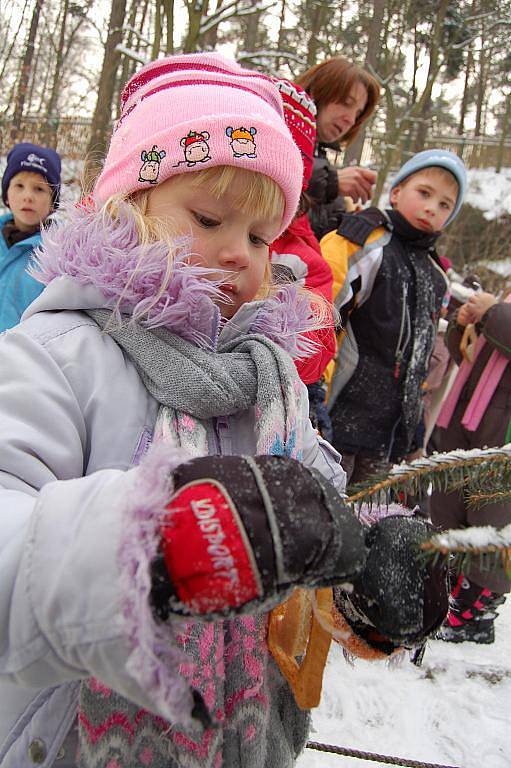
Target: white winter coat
{"type": "Point", "coordinates": [75, 418]}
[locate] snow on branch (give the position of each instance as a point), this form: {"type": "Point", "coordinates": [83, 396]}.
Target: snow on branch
{"type": "Point", "coordinates": [270, 54]}
{"type": "Point", "coordinates": [479, 467]}
{"type": "Point", "coordinates": [489, 546]}
{"type": "Point", "coordinates": [229, 10]}
{"type": "Point", "coordinates": [135, 55]}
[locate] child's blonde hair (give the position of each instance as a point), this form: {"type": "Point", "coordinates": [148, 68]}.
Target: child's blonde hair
{"type": "Point", "coordinates": [262, 198]}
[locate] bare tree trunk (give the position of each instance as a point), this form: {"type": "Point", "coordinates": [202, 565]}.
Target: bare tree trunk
{"type": "Point", "coordinates": [354, 151]}
{"type": "Point", "coordinates": [8, 46]}
{"type": "Point", "coordinates": [413, 89]}
{"type": "Point", "coordinates": [317, 15]}
{"type": "Point", "coordinates": [50, 132]}
{"type": "Point", "coordinates": [282, 32]}
{"type": "Point", "coordinates": [464, 100]}
{"type": "Point", "coordinates": [168, 7]}
{"type": "Point", "coordinates": [210, 39]}
{"type": "Point", "coordinates": [433, 69]}
{"type": "Point", "coordinates": [197, 9]}
{"type": "Point", "coordinates": [26, 66]}
{"type": "Point", "coordinates": [503, 135]}
{"type": "Point", "coordinates": [101, 121]}
{"type": "Point", "coordinates": [157, 31]}
{"type": "Point", "coordinates": [482, 80]}
{"type": "Point", "coordinates": [251, 36]}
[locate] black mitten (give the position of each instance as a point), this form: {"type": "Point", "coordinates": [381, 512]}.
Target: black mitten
{"type": "Point", "coordinates": [241, 532]}
{"type": "Point", "coordinates": [400, 597]}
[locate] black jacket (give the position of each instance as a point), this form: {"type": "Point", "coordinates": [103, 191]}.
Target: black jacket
{"type": "Point", "coordinates": [327, 205]}
{"type": "Point", "coordinates": [379, 408]}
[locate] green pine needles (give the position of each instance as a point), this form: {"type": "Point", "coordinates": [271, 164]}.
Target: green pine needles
{"type": "Point", "coordinates": [483, 475]}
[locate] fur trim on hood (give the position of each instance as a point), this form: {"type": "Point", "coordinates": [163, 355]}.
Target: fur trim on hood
{"type": "Point", "coordinates": [93, 249]}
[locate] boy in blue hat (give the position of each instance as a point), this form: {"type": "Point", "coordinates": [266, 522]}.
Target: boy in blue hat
{"type": "Point", "coordinates": [388, 288]}
{"type": "Point", "coordinates": [30, 189]}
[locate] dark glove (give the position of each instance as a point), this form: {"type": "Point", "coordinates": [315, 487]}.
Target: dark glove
{"type": "Point", "coordinates": [318, 412]}
{"type": "Point", "coordinates": [400, 597]}
{"type": "Point", "coordinates": [241, 532]}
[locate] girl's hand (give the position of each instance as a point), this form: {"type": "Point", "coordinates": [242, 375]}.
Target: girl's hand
{"type": "Point", "coordinates": [480, 303]}
{"type": "Point", "coordinates": [242, 531]}
{"type": "Point", "coordinates": [464, 316]}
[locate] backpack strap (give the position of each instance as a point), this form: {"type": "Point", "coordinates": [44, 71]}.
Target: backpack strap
{"type": "Point", "coordinates": [358, 226]}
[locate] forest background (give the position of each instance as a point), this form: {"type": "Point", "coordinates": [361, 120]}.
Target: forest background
{"type": "Point", "coordinates": [444, 68]}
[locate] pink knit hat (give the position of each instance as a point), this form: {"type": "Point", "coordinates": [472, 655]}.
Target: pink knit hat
{"type": "Point", "coordinates": [186, 113]}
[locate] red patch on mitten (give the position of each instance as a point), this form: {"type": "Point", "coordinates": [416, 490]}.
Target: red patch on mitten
{"type": "Point", "coordinates": [206, 549]}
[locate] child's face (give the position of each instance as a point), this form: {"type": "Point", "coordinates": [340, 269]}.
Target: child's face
{"type": "Point", "coordinates": [29, 198]}
{"type": "Point", "coordinates": [224, 237]}
{"type": "Point", "coordinates": [426, 200]}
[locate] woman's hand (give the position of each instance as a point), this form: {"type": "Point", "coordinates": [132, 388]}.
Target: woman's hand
{"type": "Point", "coordinates": [479, 304]}
{"type": "Point", "coordinates": [356, 182]}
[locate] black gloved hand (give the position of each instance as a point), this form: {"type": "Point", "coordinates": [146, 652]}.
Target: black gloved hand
{"type": "Point", "coordinates": [241, 532]}
{"type": "Point", "coordinates": [400, 597]}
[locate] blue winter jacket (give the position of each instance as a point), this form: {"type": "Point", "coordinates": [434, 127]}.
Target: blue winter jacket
{"type": "Point", "coordinates": [17, 288]}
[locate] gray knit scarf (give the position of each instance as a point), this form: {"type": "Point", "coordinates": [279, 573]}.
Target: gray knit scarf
{"type": "Point", "coordinates": [248, 371]}
{"type": "Point", "coordinates": [229, 662]}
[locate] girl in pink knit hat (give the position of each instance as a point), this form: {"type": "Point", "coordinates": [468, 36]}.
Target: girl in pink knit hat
{"type": "Point", "coordinates": [162, 488]}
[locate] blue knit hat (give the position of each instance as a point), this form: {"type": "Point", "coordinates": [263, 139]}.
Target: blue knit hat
{"type": "Point", "coordinates": [436, 158]}
{"type": "Point", "coordinates": [34, 159]}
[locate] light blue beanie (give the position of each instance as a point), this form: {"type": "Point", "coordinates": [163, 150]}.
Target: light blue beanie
{"type": "Point", "coordinates": [440, 158]}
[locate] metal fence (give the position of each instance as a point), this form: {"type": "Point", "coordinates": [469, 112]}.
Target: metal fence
{"type": "Point", "coordinates": [71, 136]}
{"type": "Point", "coordinates": [476, 151]}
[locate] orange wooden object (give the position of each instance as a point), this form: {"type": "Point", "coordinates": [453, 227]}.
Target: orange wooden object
{"type": "Point", "coordinates": [299, 643]}
{"type": "Point", "coordinates": [468, 342]}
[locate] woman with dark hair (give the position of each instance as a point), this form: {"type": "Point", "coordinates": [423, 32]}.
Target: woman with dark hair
{"type": "Point", "coordinates": [345, 96]}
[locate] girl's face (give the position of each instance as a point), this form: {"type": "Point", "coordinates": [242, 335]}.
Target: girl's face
{"type": "Point", "coordinates": [224, 238]}
{"type": "Point", "coordinates": [336, 118]}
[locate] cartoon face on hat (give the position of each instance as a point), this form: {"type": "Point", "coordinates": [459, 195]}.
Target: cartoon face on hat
{"type": "Point", "coordinates": [196, 147]}
{"type": "Point", "coordinates": [151, 165]}
{"type": "Point", "coordinates": [242, 141]}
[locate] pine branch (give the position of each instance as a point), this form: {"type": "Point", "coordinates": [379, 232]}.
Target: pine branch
{"type": "Point", "coordinates": [471, 470]}
{"type": "Point", "coordinates": [492, 547]}
{"type": "Point", "coordinates": [480, 499]}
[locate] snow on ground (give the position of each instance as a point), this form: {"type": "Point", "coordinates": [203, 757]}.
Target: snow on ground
{"type": "Point", "coordinates": [489, 191]}
{"type": "Point", "coordinates": [454, 710]}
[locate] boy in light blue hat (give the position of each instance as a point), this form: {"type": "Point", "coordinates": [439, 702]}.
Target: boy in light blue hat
{"type": "Point", "coordinates": [388, 288]}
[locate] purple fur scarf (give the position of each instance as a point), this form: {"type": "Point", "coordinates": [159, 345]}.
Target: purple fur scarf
{"type": "Point", "coordinates": [93, 249]}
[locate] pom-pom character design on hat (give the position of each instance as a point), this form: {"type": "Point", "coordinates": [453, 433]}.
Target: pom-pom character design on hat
{"type": "Point", "coordinates": [242, 141]}
{"type": "Point", "coordinates": [151, 165]}
{"type": "Point", "coordinates": [196, 148]}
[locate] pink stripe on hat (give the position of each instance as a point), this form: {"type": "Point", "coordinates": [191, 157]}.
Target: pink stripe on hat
{"type": "Point", "coordinates": [187, 113]}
